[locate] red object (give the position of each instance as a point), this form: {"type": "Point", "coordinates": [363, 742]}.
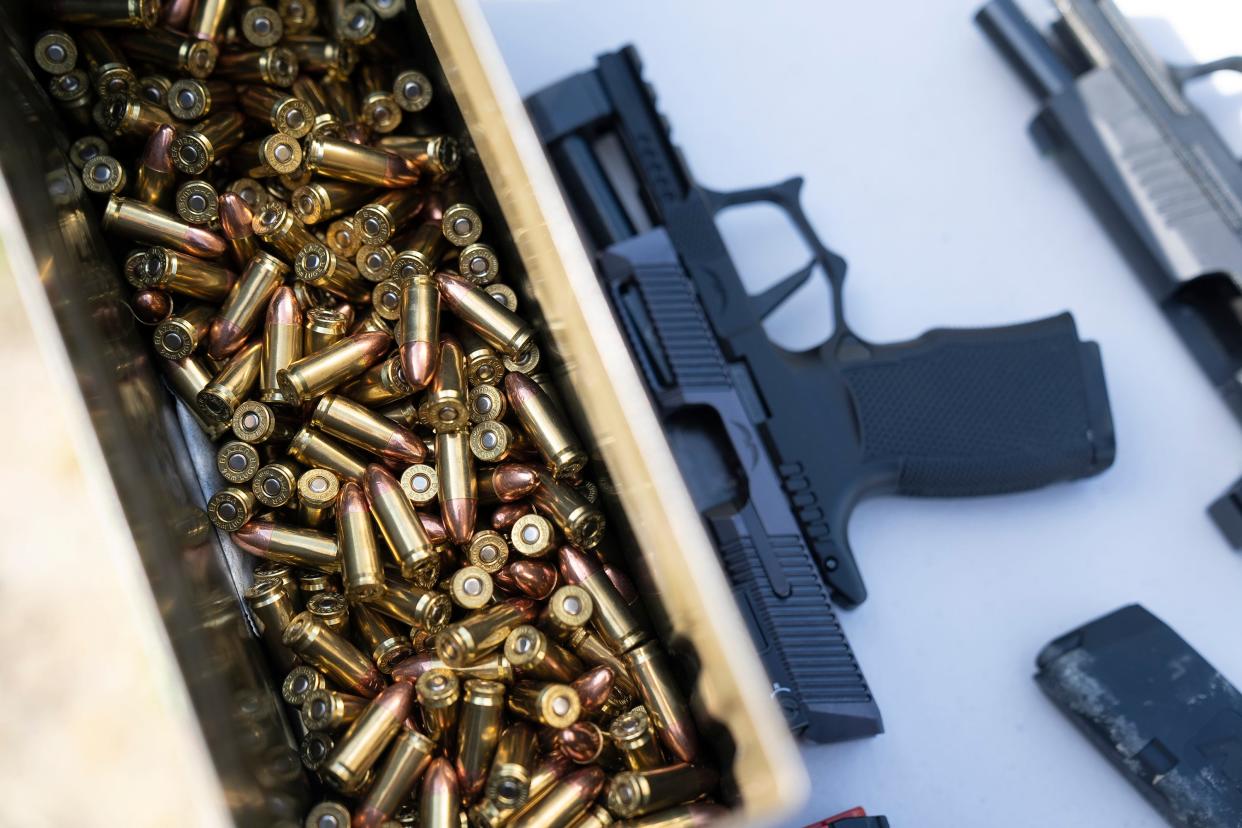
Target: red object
{"type": "Point", "coordinates": [827, 823]}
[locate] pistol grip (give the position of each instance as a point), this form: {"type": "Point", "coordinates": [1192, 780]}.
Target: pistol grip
{"type": "Point", "coordinates": [987, 411]}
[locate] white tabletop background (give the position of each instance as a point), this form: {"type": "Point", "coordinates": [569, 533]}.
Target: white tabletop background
{"type": "Point", "coordinates": [910, 130]}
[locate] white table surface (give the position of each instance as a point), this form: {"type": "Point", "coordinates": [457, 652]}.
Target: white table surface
{"type": "Point", "coordinates": [910, 130]}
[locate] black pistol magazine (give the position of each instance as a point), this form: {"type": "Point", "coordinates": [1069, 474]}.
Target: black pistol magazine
{"type": "Point", "coordinates": [777, 447]}
{"type": "Point", "coordinates": [1158, 711]}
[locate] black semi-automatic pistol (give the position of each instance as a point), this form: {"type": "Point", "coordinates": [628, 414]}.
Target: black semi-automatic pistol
{"type": "Point", "coordinates": [1164, 182]}
{"type": "Point", "coordinates": [777, 447]}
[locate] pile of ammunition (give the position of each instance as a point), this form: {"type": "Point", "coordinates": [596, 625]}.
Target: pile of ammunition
{"type": "Point", "coordinates": [300, 250]}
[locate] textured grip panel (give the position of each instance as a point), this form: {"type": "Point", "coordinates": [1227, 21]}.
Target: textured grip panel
{"type": "Point", "coordinates": [984, 411]}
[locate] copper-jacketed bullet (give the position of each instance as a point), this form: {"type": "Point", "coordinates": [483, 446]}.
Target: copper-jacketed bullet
{"type": "Point", "coordinates": [235, 222]}
{"type": "Point", "coordinates": [151, 306]}
{"type": "Point", "coordinates": [663, 700]}
{"type": "Point", "coordinates": [155, 169]}
{"type": "Point", "coordinates": [545, 425]}
{"type": "Point", "coordinates": [317, 373]}
{"type": "Point", "coordinates": [583, 742]}
{"type": "Point", "coordinates": [439, 798]}
{"type": "Point", "coordinates": [135, 220]}
{"type": "Point", "coordinates": [507, 514]}
{"type": "Point", "coordinates": [482, 631]}
{"type": "Point", "coordinates": [342, 160]}
{"type": "Point", "coordinates": [361, 427]}
{"type": "Point", "coordinates": [594, 687]}
{"type": "Point", "coordinates": [246, 304]}
{"type": "Point", "coordinates": [420, 329]}
{"type": "Point", "coordinates": [506, 482]}
{"type": "Point", "coordinates": [612, 617]}
{"type": "Point", "coordinates": [458, 495]}
{"type": "Point", "coordinates": [532, 579]}
{"type": "Point", "coordinates": [360, 562]}
{"type": "Point", "coordinates": [409, 757]}
{"type": "Point", "coordinates": [366, 739]}
{"type": "Point", "coordinates": [398, 522]}
{"type": "Point", "coordinates": [500, 327]}
{"type": "Point", "coordinates": [564, 802]}
{"type": "Point", "coordinates": [291, 545]}
{"type": "Point", "coordinates": [331, 653]}
{"type": "Point", "coordinates": [282, 343]}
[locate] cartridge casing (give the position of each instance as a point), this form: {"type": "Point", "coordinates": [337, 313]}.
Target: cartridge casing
{"type": "Point", "coordinates": [142, 222]}
{"type": "Point", "coordinates": [319, 372]}
{"type": "Point", "coordinates": [367, 737]}
{"type": "Point", "coordinates": [408, 758]}
{"type": "Point", "coordinates": [635, 793]}
{"type": "Point", "coordinates": [482, 631]}
{"type": "Point", "coordinates": [496, 324]}
{"type": "Point", "coordinates": [669, 714]}
{"type": "Point", "coordinates": [232, 385]}
{"type": "Point", "coordinates": [291, 545]}
{"type": "Point", "coordinates": [438, 694]}
{"type": "Point", "coordinates": [194, 150]}
{"type": "Point", "coordinates": [360, 562]}
{"type": "Point", "coordinates": [482, 711]}
{"type": "Point", "coordinates": [342, 160]}
{"type": "Point", "coordinates": [422, 608]}
{"type": "Point", "coordinates": [246, 304]}
{"type": "Point", "coordinates": [458, 485]}
{"type": "Point", "coordinates": [386, 646]}
{"type": "Point", "coordinates": [334, 655]}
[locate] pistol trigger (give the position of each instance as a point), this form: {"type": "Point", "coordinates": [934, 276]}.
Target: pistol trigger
{"type": "Point", "coordinates": [769, 300]}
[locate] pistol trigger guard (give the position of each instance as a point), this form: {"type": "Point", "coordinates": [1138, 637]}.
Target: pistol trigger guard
{"type": "Point", "coordinates": [1184, 74]}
